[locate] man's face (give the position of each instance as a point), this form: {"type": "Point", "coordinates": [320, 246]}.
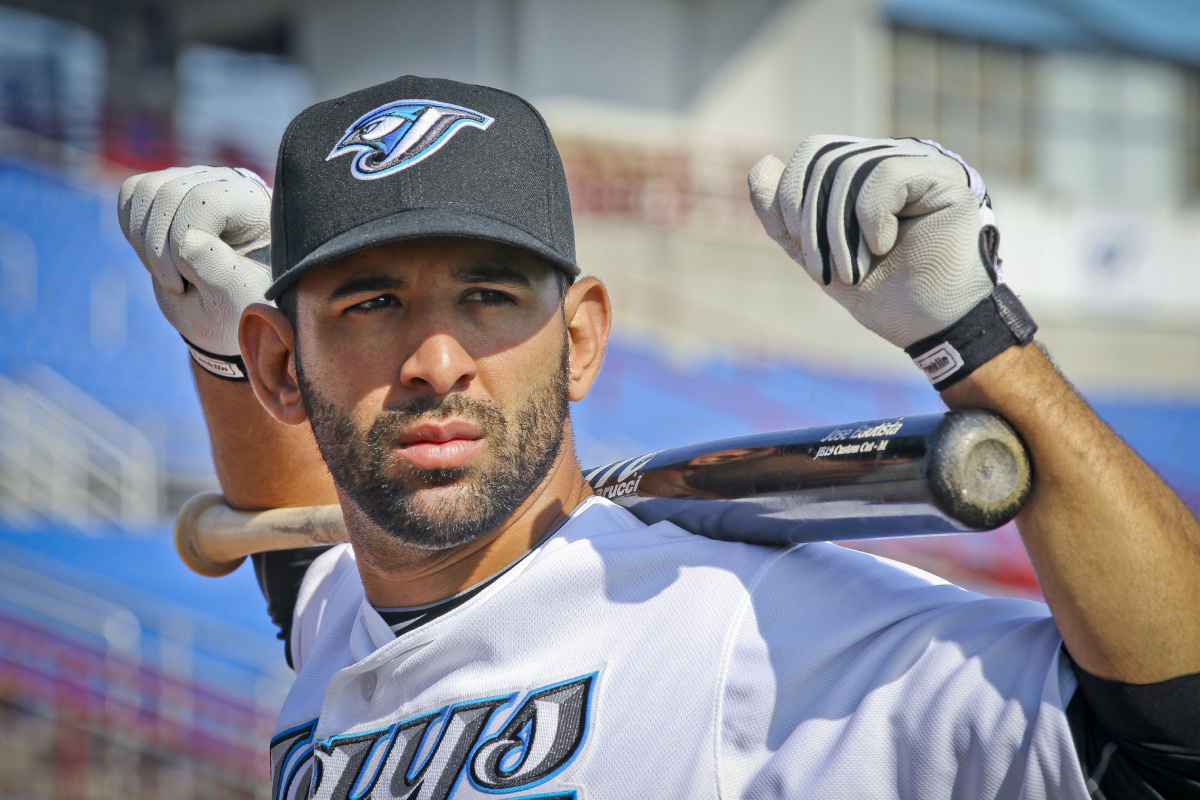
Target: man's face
{"type": "Point", "coordinates": [434, 372]}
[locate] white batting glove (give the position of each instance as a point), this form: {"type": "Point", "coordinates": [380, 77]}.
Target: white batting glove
{"type": "Point", "coordinates": [901, 233]}
{"type": "Point", "coordinates": [204, 234]}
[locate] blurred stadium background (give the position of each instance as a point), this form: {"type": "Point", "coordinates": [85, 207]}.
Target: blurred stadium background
{"type": "Point", "coordinates": [123, 675]}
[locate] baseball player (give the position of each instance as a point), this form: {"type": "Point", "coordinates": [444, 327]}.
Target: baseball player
{"type": "Point", "coordinates": [496, 630]}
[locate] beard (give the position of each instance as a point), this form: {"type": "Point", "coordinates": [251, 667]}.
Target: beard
{"type": "Point", "coordinates": [520, 451]}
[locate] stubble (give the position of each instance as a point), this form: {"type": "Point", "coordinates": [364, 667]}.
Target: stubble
{"type": "Point", "coordinates": [438, 509]}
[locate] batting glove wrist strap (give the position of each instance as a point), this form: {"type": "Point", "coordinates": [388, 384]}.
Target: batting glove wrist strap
{"type": "Point", "coordinates": [998, 322]}
{"type": "Point", "coordinates": [230, 368]}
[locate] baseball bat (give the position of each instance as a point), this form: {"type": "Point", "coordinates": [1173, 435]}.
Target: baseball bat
{"type": "Point", "coordinates": [936, 473]}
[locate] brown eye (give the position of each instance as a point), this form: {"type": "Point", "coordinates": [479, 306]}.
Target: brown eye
{"type": "Point", "coordinates": [383, 301]}
{"type": "Point", "coordinates": [488, 297]}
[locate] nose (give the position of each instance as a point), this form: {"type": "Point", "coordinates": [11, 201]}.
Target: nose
{"type": "Point", "coordinates": [439, 365]}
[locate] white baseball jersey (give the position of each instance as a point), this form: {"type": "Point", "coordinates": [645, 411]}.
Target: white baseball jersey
{"type": "Point", "coordinates": [619, 660]}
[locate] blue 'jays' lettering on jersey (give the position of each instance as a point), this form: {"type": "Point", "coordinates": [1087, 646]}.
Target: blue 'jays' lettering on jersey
{"type": "Point", "coordinates": [397, 135]}
{"type": "Point", "coordinates": [426, 757]}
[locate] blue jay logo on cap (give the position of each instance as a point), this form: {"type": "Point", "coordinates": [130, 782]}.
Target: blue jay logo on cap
{"type": "Point", "coordinates": [397, 135]}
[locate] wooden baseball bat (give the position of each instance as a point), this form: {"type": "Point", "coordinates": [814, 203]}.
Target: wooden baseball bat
{"type": "Point", "coordinates": [935, 473]}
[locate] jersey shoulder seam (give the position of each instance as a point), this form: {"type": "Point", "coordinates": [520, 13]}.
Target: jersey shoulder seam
{"type": "Point", "coordinates": [727, 647]}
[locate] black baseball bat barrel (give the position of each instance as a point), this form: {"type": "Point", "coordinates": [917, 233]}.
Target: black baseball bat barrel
{"type": "Point", "coordinates": [935, 473]}
{"type": "Point", "coordinates": [940, 473]}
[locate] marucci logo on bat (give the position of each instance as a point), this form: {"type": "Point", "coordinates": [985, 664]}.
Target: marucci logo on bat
{"type": "Point", "coordinates": [426, 757]}
{"type": "Point", "coordinates": [622, 489]}
{"type": "Point", "coordinates": [627, 475]}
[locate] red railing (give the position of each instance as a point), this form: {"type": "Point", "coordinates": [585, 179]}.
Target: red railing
{"type": "Point", "coordinates": [115, 692]}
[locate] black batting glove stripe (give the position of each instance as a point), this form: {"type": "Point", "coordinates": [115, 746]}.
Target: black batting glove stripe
{"type": "Point", "coordinates": [822, 199]}
{"type": "Point", "coordinates": [812, 163]}
{"type": "Point", "coordinates": [850, 215]}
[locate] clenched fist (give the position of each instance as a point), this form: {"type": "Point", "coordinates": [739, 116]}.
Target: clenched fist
{"type": "Point", "coordinates": [204, 234]}
{"type": "Point", "coordinates": [901, 233]}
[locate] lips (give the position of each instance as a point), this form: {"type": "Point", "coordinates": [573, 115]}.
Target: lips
{"type": "Point", "coordinates": [440, 445]}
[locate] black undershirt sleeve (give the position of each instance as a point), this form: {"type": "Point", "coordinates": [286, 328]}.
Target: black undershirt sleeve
{"type": "Point", "coordinates": [1137, 741]}
{"type": "Point", "coordinates": [279, 574]}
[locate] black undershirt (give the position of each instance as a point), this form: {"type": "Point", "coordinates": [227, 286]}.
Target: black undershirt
{"type": "Point", "coordinates": [279, 574]}
{"type": "Point", "coordinates": [403, 620]}
{"type": "Point", "coordinates": [1135, 741]}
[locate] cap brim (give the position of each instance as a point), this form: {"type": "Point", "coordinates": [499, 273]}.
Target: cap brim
{"type": "Point", "coordinates": [416, 224]}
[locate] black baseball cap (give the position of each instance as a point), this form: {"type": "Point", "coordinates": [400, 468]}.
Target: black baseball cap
{"type": "Point", "coordinates": [417, 157]}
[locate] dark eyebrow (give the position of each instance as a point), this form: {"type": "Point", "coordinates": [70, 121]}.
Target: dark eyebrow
{"type": "Point", "coordinates": [368, 283]}
{"type": "Point", "coordinates": [491, 273]}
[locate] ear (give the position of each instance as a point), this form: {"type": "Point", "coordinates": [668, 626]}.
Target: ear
{"type": "Point", "coordinates": [588, 315]}
{"type": "Point", "coordinates": [268, 347]}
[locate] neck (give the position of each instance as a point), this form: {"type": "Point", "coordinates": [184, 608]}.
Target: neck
{"type": "Point", "coordinates": [395, 575]}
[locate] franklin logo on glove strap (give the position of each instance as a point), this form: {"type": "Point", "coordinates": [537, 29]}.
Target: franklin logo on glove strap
{"type": "Point", "coordinates": [939, 362]}
{"type": "Point", "coordinates": [395, 136]}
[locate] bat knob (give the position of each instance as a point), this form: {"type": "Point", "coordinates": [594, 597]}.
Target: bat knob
{"type": "Point", "coordinates": [978, 469]}
{"type": "Point", "coordinates": [188, 523]}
